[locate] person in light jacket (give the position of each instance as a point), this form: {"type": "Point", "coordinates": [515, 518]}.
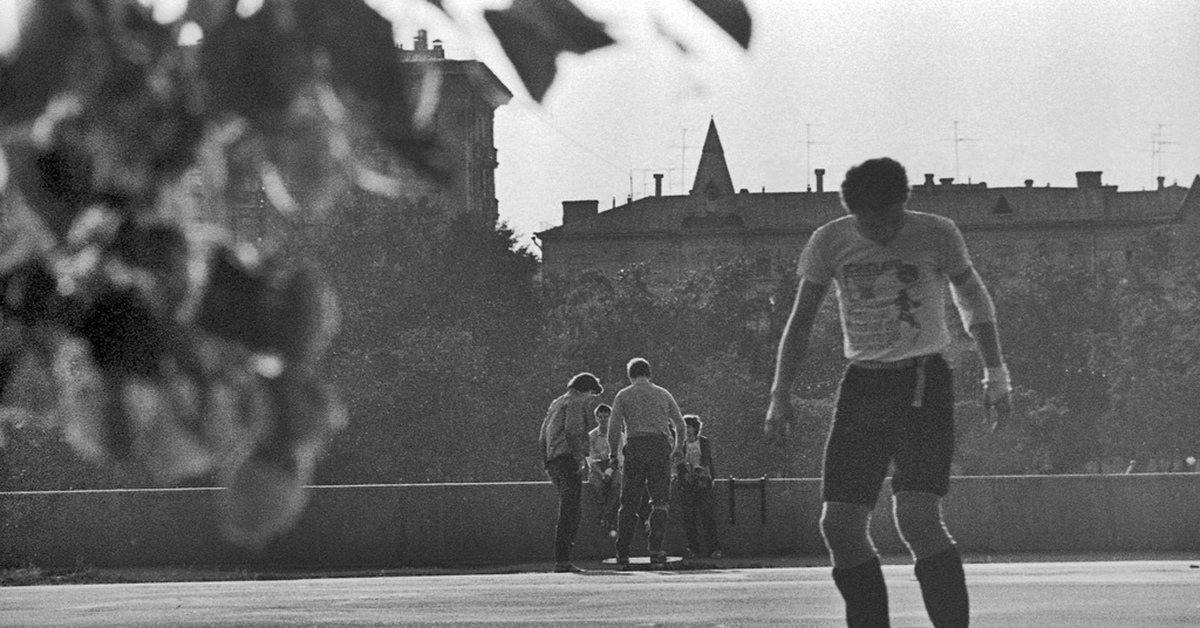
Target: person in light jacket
{"type": "Point", "coordinates": [564, 444]}
{"type": "Point", "coordinates": [695, 481]}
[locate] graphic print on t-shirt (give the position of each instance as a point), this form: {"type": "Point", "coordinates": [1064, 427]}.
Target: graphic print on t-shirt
{"type": "Point", "coordinates": [907, 275]}
{"type": "Point", "coordinates": [879, 295]}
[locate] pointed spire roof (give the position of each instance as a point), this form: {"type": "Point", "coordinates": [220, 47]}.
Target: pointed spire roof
{"type": "Point", "coordinates": [712, 174]}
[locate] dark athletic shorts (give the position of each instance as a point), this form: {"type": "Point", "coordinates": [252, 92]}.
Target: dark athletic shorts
{"type": "Point", "coordinates": [876, 425]}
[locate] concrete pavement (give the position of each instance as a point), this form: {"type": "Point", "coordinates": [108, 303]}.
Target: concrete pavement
{"type": "Point", "coordinates": [1112, 594]}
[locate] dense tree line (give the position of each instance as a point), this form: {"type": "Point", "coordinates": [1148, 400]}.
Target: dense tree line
{"type": "Point", "coordinates": [453, 344]}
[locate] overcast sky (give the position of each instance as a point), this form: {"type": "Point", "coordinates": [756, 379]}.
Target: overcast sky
{"type": "Point", "coordinates": [1039, 90]}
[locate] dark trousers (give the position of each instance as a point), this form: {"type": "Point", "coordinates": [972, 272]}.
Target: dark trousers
{"type": "Point", "coordinates": [878, 424]}
{"type": "Point", "coordinates": [564, 473]}
{"type": "Point", "coordinates": [647, 470]}
{"type": "Point", "coordinates": [698, 517]}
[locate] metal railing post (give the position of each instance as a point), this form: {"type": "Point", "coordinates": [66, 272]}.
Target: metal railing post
{"type": "Point", "coordinates": [737, 483]}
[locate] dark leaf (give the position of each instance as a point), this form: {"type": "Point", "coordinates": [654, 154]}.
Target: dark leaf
{"type": "Point", "coordinates": [305, 317]}
{"type": "Point", "coordinates": [662, 31]}
{"type": "Point", "coordinates": [56, 181]}
{"type": "Point", "coordinates": [210, 14]}
{"type": "Point", "coordinates": [125, 335]}
{"type": "Point", "coordinates": [128, 126]}
{"type": "Point", "coordinates": [360, 49]}
{"type": "Point", "coordinates": [270, 69]}
{"type": "Point", "coordinates": [158, 248]}
{"type": "Point", "coordinates": [50, 44]}
{"type": "Point", "coordinates": [119, 432]}
{"type": "Point", "coordinates": [233, 306]}
{"type": "Point", "coordinates": [307, 413]}
{"type": "Point", "coordinates": [730, 15]}
{"type": "Point", "coordinates": [30, 293]}
{"type": "Point", "coordinates": [256, 66]}
{"type": "Point", "coordinates": [267, 308]}
{"type": "Point", "coordinates": [534, 32]}
{"type": "Point", "coordinates": [265, 496]}
{"type": "Point", "coordinates": [162, 251]}
{"type": "Point", "coordinates": [167, 443]}
{"type": "Point", "coordinates": [303, 173]}
{"type": "Point", "coordinates": [9, 358]}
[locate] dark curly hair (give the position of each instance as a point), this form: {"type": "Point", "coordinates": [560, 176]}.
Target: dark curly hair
{"type": "Point", "coordinates": [586, 382]}
{"type": "Point", "coordinates": [638, 367]}
{"type": "Point", "coordinates": [874, 185]}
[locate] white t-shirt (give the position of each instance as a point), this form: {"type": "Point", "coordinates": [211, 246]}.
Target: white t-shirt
{"type": "Point", "coordinates": [892, 299]}
{"type": "Point", "coordinates": [600, 448]}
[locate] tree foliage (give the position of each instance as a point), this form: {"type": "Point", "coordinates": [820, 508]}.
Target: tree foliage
{"type": "Point", "coordinates": [1051, 311]}
{"type": "Point", "coordinates": [1151, 359]}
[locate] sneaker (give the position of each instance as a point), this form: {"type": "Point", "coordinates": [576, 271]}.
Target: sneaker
{"type": "Point", "coordinates": [658, 560]}
{"type": "Point", "coordinates": [717, 554]}
{"type": "Point", "coordinates": [566, 568]}
{"type": "Point", "coordinates": [623, 563]}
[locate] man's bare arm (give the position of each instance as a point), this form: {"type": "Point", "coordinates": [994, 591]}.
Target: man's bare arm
{"type": "Point", "coordinates": [793, 347]}
{"type": "Point", "coordinates": [972, 294]}
{"type": "Point", "coordinates": [976, 304]}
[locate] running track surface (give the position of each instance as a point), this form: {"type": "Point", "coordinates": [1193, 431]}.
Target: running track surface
{"type": "Point", "coordinates": [1118, 594]}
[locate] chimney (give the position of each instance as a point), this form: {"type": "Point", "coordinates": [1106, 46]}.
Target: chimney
{"type": "Point", "coordinates": [947, 181]}
{"type": "Point", "coordinates": [421, 40]}
{"type": "Point", "coordinates": [1028, 183]}
{"type": "Point", "coordinates": [820, 172]}
{"type": "Point", "coordinates": [658, 184]}
{"type": "Point", "coordinates": [928, 181]}
{"type": "Point", "coordinates": [1088, 178]}
{"type": "Point", "coordinates": [574, 211]}
{"type": "Point", "coordinates": [1161, 182]}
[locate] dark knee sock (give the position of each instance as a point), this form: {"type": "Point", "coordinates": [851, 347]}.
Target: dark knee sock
{"type": "Point", "coordinates": [865, 593]}
{"type": "Point", "coordinates": [944, 587]}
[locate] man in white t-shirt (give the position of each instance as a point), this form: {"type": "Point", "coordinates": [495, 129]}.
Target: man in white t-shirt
{"type": "Point", "coordinates": [604, 472]}
{"type": "Point", "coordinates": [895, 403]}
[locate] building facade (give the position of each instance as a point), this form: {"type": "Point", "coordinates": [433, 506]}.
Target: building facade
{"type": "Point", "coordinates": [674, 235]}
{"type": "Point", "coordinates": [458, 104]}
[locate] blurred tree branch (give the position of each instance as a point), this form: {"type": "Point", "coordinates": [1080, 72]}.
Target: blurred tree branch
{"type": "Point", "coordinates": [144, 336]}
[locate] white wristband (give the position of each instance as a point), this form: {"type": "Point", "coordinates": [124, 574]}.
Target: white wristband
{"type": "Point", "coordinates": [997, 375]}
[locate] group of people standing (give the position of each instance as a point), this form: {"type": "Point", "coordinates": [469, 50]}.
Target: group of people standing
{"type": "Point", "coordinates": [640, 446]}
{"type": "Point", "coordinates": [892, 269]}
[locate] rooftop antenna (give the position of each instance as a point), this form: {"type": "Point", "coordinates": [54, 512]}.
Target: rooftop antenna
{"type": "Point", "coordinates": [1156, 150]}
{"type": "Point", "coordinates": [683, 146]}
{"type": "Point", "coordinates": [808, 143]}
{"type": "Point", "coordinates": [671, 172]}
{"type": "Point", "coordinates": [645, 193]}
{"type": "Point", "coordinates": [958, 140]}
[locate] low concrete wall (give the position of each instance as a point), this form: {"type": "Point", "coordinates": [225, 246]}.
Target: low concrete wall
{"type": "Point", "coordinates": [455, 524]}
